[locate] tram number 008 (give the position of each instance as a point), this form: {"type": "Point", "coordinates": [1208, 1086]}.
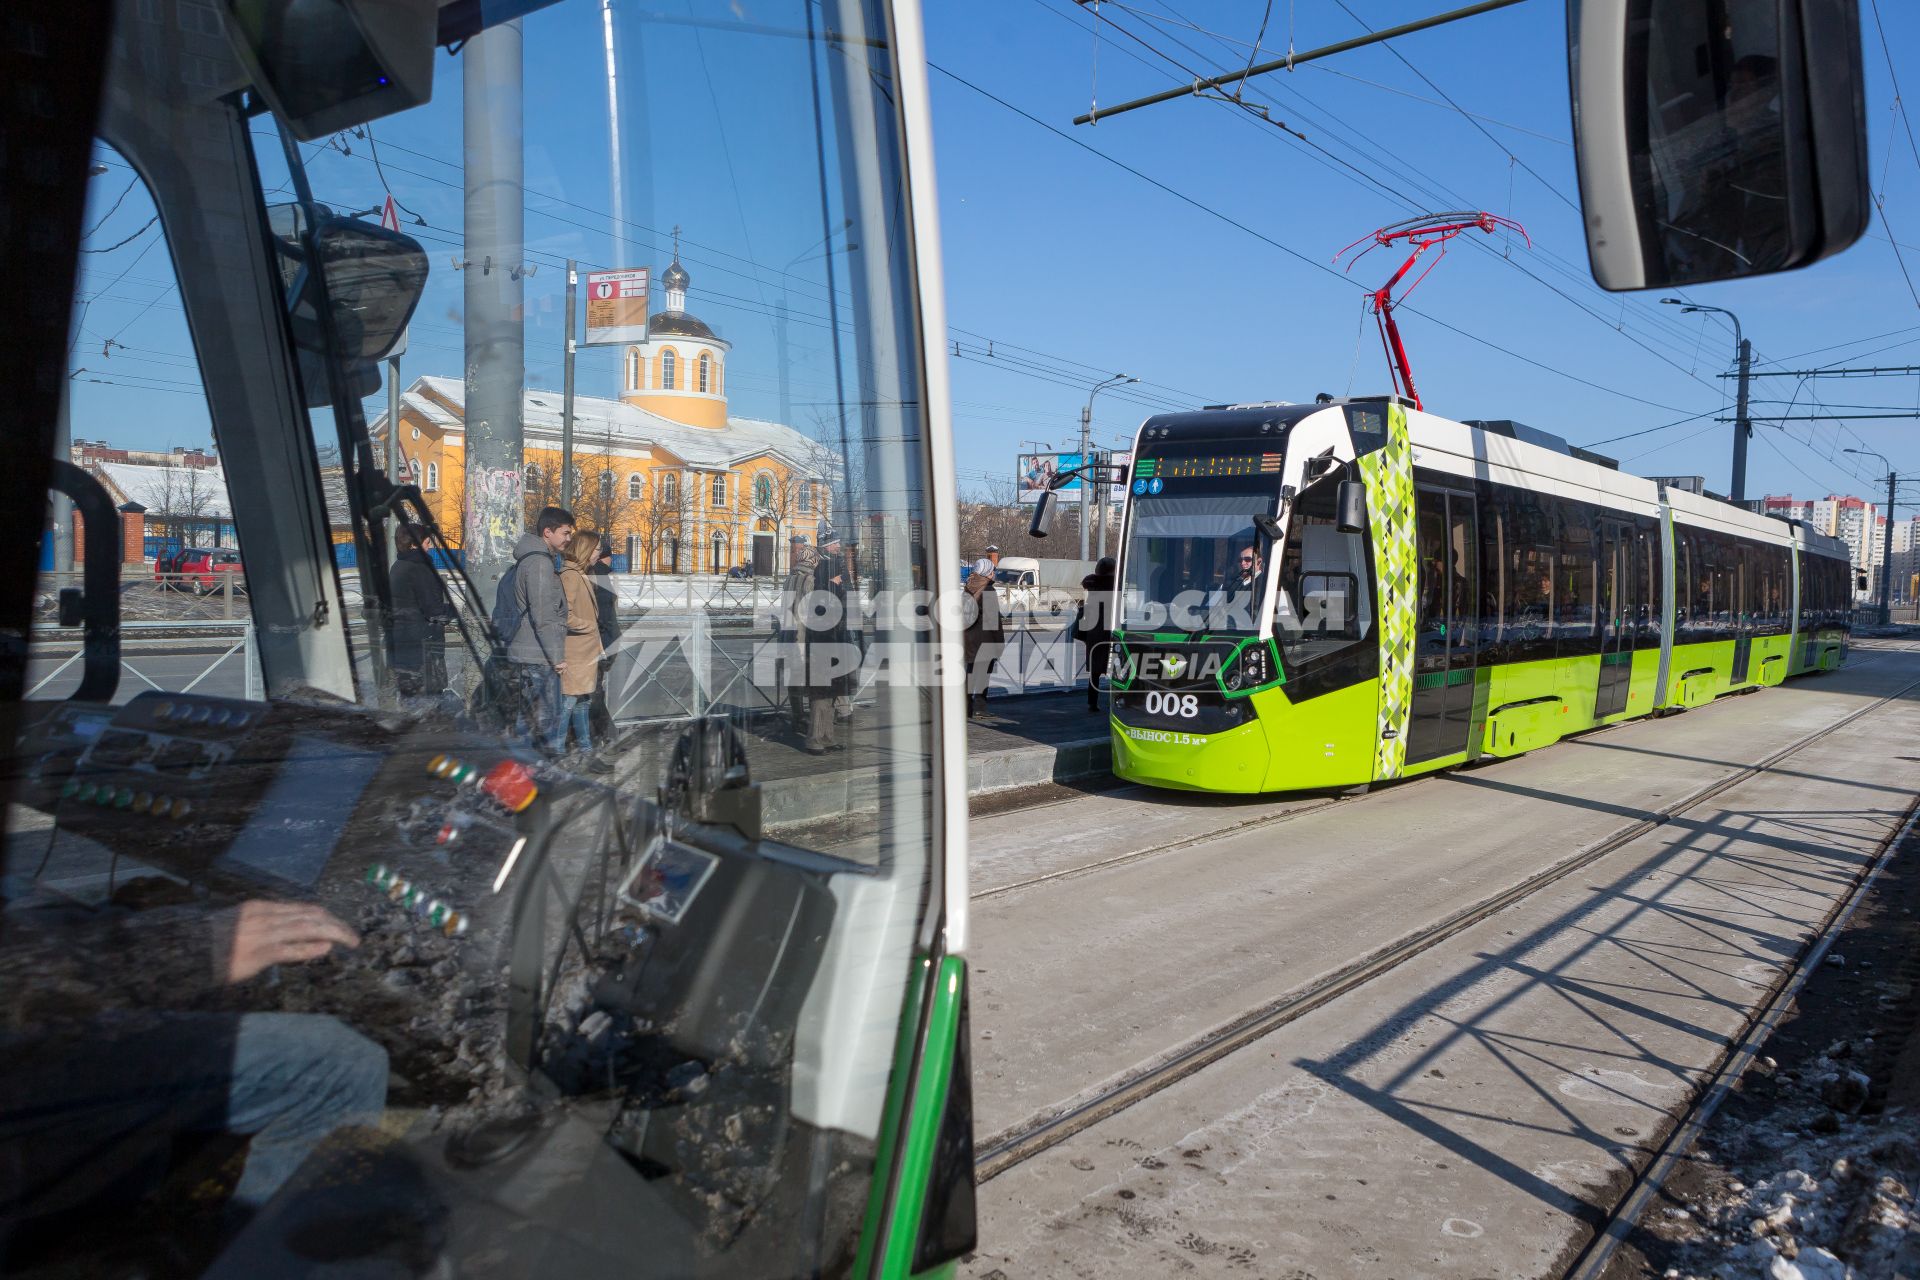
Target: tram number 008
{"type": "Point", "coordinates": [1173, 704]}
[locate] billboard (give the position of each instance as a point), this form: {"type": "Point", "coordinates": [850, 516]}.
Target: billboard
{"type": "Point", "coordinates": [1035, 472]}
{"type": "Point", "coordinates": [616, 307]}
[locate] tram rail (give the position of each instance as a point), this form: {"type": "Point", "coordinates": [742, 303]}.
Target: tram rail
{"type": "Point", "coordinates": [1593, 1260]}
{"type": "Point", "coordinates": [1027, 1138]}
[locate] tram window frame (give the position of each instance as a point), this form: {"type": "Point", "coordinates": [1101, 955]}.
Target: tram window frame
{"type": "Point", "coordinates": [1357, 657]}
{"type": "Point", "coordinates": [1526, 632]}
{"type": "Point", "coordinates": [1648, 564]}
{"type": "Point", "coordinates": [1575, 632]}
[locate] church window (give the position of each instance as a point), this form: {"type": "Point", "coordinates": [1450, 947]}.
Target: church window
{"type": "Point", "coordinates": [433, 475]}
{"type": "Point", "coordinates": [634, 366]}
{"type": "Point", "coordinates": [666, 371]}
{"type": "Point", "coordinates": [634, 483]}
{"type": "Point", "coordinates": [717, 489]}
{"type": "Point", "coordinates": [606, 485]}
{"type": "Point", "coordinates": [670, 488]}
{"type": "Point", "coordinates": [706, 372]}
{"type": "Point", "coordinates": [763, 491]}
{"type": "Point", "coordinates": [806, 499]}
{"type": "Point", "coordinates": [533, 477]}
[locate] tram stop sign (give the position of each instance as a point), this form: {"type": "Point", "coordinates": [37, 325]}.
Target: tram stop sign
{"type": "Point", "coordinates": [616, 307]}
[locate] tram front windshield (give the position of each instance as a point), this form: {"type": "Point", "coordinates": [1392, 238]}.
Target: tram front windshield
{"type": "Point", "coordinates": [1196, 561]}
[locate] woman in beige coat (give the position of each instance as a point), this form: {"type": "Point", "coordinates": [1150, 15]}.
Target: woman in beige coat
{"type": "Point", "coordinates": [583, 648]}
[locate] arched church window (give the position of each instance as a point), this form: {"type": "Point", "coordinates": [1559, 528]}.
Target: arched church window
{"type": "Point", "coordinates": [666, 371]}
{"type": "Point", "coordinates": [634, 486]}
{"type": "Point", "coordinates": [706, 372]}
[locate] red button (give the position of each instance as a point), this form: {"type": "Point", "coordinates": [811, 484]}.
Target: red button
{"type": "Point", "coordinates": [511, 784]}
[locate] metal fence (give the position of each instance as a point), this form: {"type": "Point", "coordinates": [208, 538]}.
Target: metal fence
{"type": "Point", "coordinates": [217, 657]}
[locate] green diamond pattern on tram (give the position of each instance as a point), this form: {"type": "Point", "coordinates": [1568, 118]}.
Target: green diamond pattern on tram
{"type": "Point", "coordinates": [1388, 474]}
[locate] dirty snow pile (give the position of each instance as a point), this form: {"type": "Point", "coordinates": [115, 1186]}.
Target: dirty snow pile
{"type": "Point", "coordinates": [1829, 1192]}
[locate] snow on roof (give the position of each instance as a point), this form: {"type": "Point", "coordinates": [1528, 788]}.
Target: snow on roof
{"type": "Point", "coordinates": [595, 419]}
{"type": "Point", "coordinates": [170, 491]}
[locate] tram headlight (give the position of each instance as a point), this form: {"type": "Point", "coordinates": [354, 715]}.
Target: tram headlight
{"type": "Point", "coordinates": [1251, 669]}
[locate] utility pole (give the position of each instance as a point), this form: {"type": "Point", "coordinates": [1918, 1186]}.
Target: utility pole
{"type": "Point", "coordinates": [1086, 442]}
{"type": "Point", "coordinates": [1742, 424]}
{"type": "Point", "coordinates": [566, 397]}
{"type": "Point", "coordinates": [1884, 603]}
{"type": "Point", "coordinates": [1886, 556]}
{"type": "Point", "coordinates": [496, 367]}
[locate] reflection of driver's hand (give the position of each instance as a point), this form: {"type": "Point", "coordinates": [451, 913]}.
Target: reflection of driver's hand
{"type": "Point", "coordinates": [270, 933]}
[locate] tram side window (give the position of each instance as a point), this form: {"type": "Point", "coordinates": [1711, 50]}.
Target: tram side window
{"type": "Point", "coordinates": [1646, 574]}
{"type": "Point", "coordinates": [1573, 622]}
{"type": "Point", "coordinates": [1325, 602]}
{"type": "Point", "coordinates": [1527, 532]}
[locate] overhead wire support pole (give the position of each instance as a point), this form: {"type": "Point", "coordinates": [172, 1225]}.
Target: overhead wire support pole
{"type": "Point", "coordinates": [1895, 371]}
{"type": "Point", "coordinates": [1822, 417]}
{"type": "Point", "coordinates": [1295, 59]}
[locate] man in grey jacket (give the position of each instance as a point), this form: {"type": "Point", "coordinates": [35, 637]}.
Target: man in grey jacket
{"type": "Point", "coordinates": [531, 611]}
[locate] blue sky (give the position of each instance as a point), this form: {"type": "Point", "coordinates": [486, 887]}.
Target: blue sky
{"type": "Point", "coordinates": [1066, 266]}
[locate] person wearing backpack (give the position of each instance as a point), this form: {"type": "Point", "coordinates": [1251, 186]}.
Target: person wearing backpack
{"type": "Point", "coordinates": [530, 613]}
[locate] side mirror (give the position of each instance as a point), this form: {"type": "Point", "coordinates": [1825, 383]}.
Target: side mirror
{"type": "Point", "coordinates": [1042, 515]}
{"type": "Point", "coordinates": [1350, 507]}
{"type": "Point", "coordinates": [374, 279]}
{"type": "Point", "coordinates": [1715, 142]}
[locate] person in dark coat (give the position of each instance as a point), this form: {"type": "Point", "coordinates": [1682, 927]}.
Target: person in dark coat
{"type": "Point", "coordinates": [983, 637]}
{"type": "Point", "coordinates": [420, 616]}
{"type": "Point", "coordinates": [802, 560]}
{"type": "Point", "coordinates": [1093, 626]}
{"type": "Point", "coordinates": [826, 641]}
{"type": "Point", "coordinates": [606, 603]}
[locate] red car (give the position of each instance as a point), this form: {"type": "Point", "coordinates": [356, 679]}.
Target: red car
{"type": "Point", "coordinates": [166, 564]}
{"type": "Point", "coordinates": [205, 570]}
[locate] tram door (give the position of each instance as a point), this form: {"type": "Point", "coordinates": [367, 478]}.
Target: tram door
{"type": "Point", "coordinates": [1446, 638]}
{"type": "Point", "coordinates": [1619, 611]}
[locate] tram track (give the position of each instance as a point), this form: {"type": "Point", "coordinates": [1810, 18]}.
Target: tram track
{"type": "Point", "coordinates": [1025, 1139]}
{"type": "Point", "coordinates": [1592, 1261]}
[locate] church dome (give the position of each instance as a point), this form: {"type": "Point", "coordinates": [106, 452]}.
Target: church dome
{"type": "Point", "coordinates": [676, 277]}
{"type": "Point", "coordinates": [678, 324]}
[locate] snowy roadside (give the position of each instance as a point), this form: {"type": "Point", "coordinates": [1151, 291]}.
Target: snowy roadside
{"type": "Point", "coordinates": [1808, 1170]}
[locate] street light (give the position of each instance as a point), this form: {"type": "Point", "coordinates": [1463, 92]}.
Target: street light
{"type": "Point", "coordinates": [1742, 425]}
{"type": "Point", "coordinates": [1886, 543]}
{"type": "Point", "coordinates": [1100, 489]}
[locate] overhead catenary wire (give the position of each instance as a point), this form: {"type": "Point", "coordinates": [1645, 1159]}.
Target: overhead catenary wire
{"type": "Point", "coordinates": [1288, 250]}
{"type": "Point", "coordinates": [1439, 193]}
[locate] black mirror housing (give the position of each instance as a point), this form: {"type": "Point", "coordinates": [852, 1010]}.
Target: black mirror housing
{"type": "Point", "coordinates": [1350, 507]}
{"type": "Point", "coordinates": [1042, 523]}
{"type": "Point", "coordinates": [1711, 147]}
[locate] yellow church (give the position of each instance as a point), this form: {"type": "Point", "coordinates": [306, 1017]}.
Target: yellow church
{"type": "Point", "coordinates": [676, 484]}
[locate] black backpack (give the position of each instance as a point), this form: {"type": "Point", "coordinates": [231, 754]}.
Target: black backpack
{"type": "Point", "coordinates": [509, 611]}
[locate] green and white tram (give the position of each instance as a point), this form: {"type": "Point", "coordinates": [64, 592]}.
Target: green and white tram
{"type": "Point", "coordinates": [1333, 595]}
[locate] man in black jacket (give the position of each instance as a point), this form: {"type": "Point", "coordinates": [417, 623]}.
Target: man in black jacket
{"type": "Point", "coordinates": [606, 603]}
{"type": "Point", "coordinates": [420, 616]}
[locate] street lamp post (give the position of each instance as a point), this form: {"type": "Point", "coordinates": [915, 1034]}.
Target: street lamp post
{"type": "Point", "coordinates": [1886, 543]}
{"type": "Point", "coordinates": [1086, 432]}
{"type": "Point", "coordinates": [1742, 425]}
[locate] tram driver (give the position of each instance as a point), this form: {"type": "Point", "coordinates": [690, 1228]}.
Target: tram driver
{"type": "Point", "coordinates": [92, 1099]}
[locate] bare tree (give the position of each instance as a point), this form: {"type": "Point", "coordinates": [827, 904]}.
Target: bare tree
{"type": "Point", "coordinates": [542, 489]}
{"type": "Point", "coordinates": [184, 500]}
{"type": "Point", "coordinates": [602, 500]}
{"type": "Point", "coordinates": [662, 509]}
